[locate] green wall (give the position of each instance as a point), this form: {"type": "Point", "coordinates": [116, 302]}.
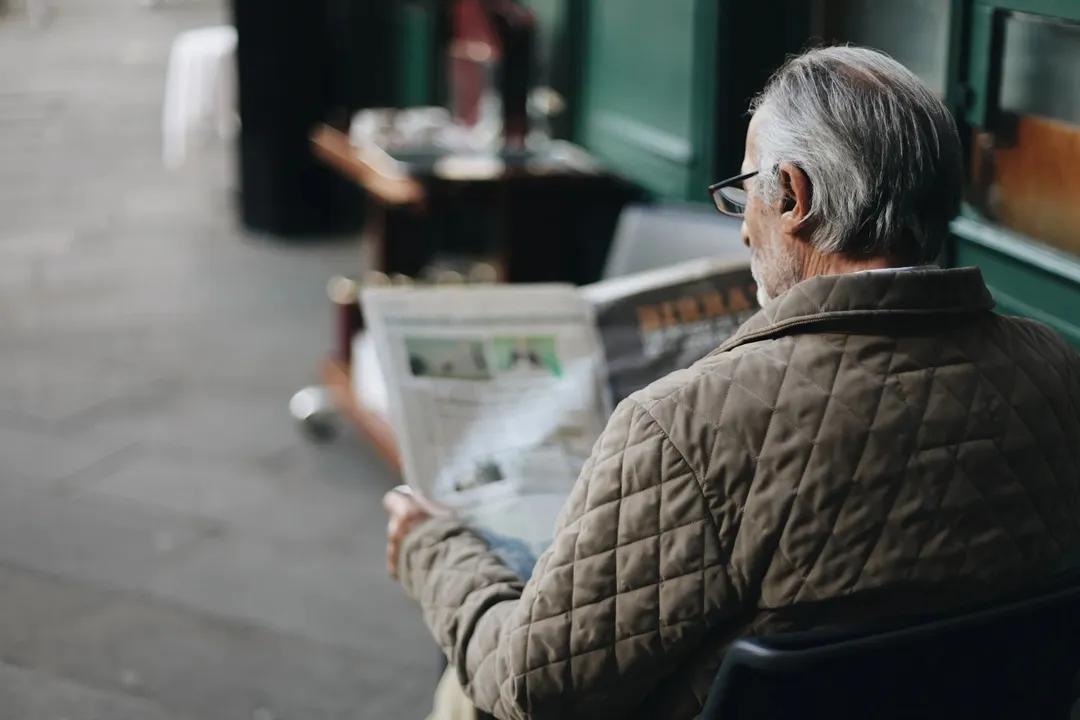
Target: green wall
{"type": "Point", "coordinates": [665, 85]}
{"type": "Point", "coordinates": [646, 78]}
{"type": "Point", "coordinates": [1024, 278]}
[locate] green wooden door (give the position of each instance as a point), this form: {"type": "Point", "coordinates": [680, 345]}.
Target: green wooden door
{"type": "Point", "coordinates": [666, 85]}
{"type": "Point", "coordinates": [648, 90]}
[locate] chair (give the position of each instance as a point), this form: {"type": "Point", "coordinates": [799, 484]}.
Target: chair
{"type": "Point", "coordinates": [652, 236]}
{"type": "Point", "coordinates": [1017, 661]}
{"type": "Point", "coordinates": [649, 236]}
{"type": "Point", "coordinates": [200, 91]}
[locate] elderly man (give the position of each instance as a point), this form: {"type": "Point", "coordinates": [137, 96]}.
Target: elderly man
{"type": "Point", "coordinates": [875, 442]}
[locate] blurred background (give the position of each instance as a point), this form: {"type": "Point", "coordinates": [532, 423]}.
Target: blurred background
{"type": "Point", "coordinates": [192, 453]}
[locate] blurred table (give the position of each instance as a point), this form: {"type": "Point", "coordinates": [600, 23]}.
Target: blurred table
{"type": "Point", "coordinates": [384, 185]}
{"type": "Point", "coordinates": [539, 216]}
{"type": "Point", "coordinates": [373, 427]}
{"type": "Point", "coordinates": [536, 216]}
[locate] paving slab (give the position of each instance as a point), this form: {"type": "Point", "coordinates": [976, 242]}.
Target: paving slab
{"type": "Point", "coordinates": [170, 546]}
{"type": "Point", "coordinates": [29, 695]}
{"type": "Point", "coordinates": [196, 665]}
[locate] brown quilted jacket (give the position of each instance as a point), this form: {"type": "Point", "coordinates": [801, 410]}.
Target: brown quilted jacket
{"type": "Point", "coordinates": [867, 445]}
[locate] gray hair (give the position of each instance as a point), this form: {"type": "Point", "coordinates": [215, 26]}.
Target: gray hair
{"type": "Point", "coordinates": [880, 149]}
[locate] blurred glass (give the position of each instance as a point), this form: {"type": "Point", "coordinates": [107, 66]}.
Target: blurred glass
{"type": "Point", "coordinates": [1040, 72]}
{"type": "Point", "coordinates": [474, 101]}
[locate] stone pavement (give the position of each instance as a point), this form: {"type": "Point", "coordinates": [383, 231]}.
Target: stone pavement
{"type": "Point", "coordinates": [170, 546]}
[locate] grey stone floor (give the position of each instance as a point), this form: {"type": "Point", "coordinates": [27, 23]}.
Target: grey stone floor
{"type": "Point", "coordinates": [170, 547]}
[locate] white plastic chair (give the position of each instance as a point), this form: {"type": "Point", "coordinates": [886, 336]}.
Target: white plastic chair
{"type": "Point", "coordinates": [653, 236]}
{"type": "Point", "coordinates": [200, 91]}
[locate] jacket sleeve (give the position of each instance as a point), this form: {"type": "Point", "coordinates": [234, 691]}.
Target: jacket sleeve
{"type": "Point", "coordinates": [631, 584]}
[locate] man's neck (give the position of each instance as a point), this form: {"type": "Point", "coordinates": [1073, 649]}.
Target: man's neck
{"type": "Point", "coordinates": [816, 263]}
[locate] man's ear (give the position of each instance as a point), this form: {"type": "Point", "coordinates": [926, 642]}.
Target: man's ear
{"type": "Point", "coordinates": [798, 193]}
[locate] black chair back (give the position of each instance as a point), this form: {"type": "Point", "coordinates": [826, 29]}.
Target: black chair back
{"type": "Point", "coordinates": [1019, 661]}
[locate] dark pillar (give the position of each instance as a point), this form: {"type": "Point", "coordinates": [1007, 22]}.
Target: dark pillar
{"type": "Point", "coordinates": [286, 68]}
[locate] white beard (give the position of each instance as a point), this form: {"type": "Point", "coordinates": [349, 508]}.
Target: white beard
{"type": "Point", "coordinates": [774, 275]}
{"type": "Point", "coordinates": [762, 296]}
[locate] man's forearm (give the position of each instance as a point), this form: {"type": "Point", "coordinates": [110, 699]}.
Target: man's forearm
{"type": "Point", "coordinates": [466, 593]}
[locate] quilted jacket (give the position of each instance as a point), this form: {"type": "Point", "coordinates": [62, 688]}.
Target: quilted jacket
{"type": "Point", "coordinates": [867, 445]}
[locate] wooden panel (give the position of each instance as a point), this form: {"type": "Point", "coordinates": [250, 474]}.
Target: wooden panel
{"type": "Point", "coordinates": [1035, 182]}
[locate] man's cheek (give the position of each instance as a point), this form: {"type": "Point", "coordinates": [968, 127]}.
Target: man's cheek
{"type": "Point", "coordinates": [754, 225]}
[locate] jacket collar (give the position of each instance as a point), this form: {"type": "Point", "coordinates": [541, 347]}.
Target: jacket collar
{"type": "Point", "coordinates": [828, 299]}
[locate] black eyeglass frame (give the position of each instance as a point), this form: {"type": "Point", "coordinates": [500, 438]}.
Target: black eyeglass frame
{"type": "Point", "coordinates": [730, 205]}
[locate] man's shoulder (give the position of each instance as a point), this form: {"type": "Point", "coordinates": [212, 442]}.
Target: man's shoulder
{"type": "Point", "coordinates": [1038, 352]}
{"type": "Point", "coordinates": [707, 384]}
{"type": "Point", "coordinates": [1025, 335]}
{"type": "Point", "coordinates": [746, 385]}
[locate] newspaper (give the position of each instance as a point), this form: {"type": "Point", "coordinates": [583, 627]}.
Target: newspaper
{"type": "Point", "coordinates": [654, 323]}
{"type": "Point", "coordinates": [495, 395]}
{"type": "Point", "coordinates": [498, 393]}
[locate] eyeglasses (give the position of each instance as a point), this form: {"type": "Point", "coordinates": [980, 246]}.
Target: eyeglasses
{"type": "Point", "coordinates": [729, 195]}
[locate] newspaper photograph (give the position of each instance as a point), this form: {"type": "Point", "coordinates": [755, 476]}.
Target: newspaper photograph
{"type": "Point", "coordinates": [495, 394]}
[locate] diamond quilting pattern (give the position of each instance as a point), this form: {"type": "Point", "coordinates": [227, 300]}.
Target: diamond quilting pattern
{"type": "Point", "coordinates": [805, 463]}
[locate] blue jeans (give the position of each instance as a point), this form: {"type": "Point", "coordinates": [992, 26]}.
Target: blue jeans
{"type": "Point", "coordinates": [513, 553]}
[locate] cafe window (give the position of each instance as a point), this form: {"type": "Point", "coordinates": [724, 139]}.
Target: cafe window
{"type": "Point", "coordinates": [1010, 71]}
{"type": "Point", "coordinates": [1025, 164]}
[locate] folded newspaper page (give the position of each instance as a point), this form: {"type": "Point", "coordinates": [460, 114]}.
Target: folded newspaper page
{"type": "Point", "coordinates": [654, 323]}
{"type": "Point", "coordinates": [495, 393]}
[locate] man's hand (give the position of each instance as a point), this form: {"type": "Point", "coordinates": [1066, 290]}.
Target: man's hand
{"type": "Point", "coordinates": [406, 511]}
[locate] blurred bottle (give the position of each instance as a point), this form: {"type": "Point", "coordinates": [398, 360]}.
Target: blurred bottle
{"type": "Point", "coordinates": [348, 319]}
